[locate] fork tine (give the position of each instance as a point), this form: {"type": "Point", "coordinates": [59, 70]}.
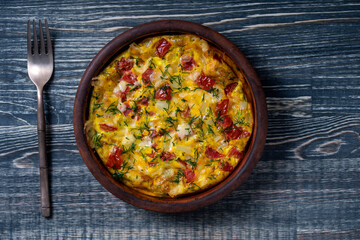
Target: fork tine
{"type": "Point", "coordinates": [42, 44]}
{"type": "Point", "coordinates": [36, 49]}
{"type": "Point", "coordinates": [28, 38]}
{"type": "Point", "coordinates": [48, 39]}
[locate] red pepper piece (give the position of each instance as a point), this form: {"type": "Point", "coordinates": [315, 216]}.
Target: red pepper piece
{"type": "Point", "coordinates": [235, 132]}
{"type": "Point", "coordinates": [221, 108]}
{"type": "Point", "coordinates": [230, 87]}
{"type": "Point", "coordinates": [137, 116]}
{"type": "Point", "coordinates": [167, 155]}
{"type": "Point", "coordinates": [227, 167]}
{"type": "Point", "coordinates": [107, 128]}
{"type": "Point", "coordinates": [163, 93]}
{"type": "Point", "coordinates": [115, 158]}
{"type": "Point", "coordinates": [122, 95]}
{"type": "Point", "coordinates": [205, 82]}
{"type": "Point", "coordinates": [153, 134]}
{"type": "Point", "coordinates": [127, 110]}
{"type": "Point", "coordinates": [245, 133]}
{"type": "Point", "coordinates": [147, 76]}
{"type": "Point", "coordinates": [162, 46]}
{"type": "Point", "coordinates": [125, 64]}
{"type": "Point", "coordinates": [186, 113]}
{"type": "Point", "coordinates": [187, 62]}
{"type": "Point", "coordinates": [225, 121]}
{"type": "Point", "coordinates": [152, 155]}
{"type": "Point", "coordinates": [234, 152]}
{"type": "Point", "coordinates": [182, 162]}
{"type": "Point", "coordinates": [152, 164]}
{"type": "Point", "coordinates": [151, 113]}
{"type": "Point", "coordinates": [217, 57]}
{"type": "Point", "coordinates": [189, 174]}
{"type": "Point", "coordinates": [129, 77]}
{"type": "Point", "coordinates": [212, 154]}
{"type": "Point", "coordinates": [144, 101]}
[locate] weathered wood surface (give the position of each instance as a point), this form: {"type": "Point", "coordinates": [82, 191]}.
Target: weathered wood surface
{"type": "Point", "coordinates": [307, 184]}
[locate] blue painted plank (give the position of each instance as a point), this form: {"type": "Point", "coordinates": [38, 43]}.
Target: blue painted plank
{"type": "Point", "coordinates": [307, 184]}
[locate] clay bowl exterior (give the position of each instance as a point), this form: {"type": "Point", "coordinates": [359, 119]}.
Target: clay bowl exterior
{"type": "Point", "coordinates": [189, 202]}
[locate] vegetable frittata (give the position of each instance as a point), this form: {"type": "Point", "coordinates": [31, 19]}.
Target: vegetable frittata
{"type": "Point", "coordinates": [170, 116]}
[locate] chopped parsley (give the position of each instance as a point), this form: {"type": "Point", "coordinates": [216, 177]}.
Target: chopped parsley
{"type": "Point", "coordinates": [124, 170]}
{"type": "Point", "coordinates": [96, 138]}
{"type": "Point", "coordinates": [171, 121]}
{"type": "Point", "coordinates": [209, 163]}
{"type": "Point", "coordinates": [96, 95]}
{"type": "Point", "coordinates": [143, 156]}
{"type": "Point", "coordinates": [240, 120]}
{"type": "Point", "coordinates": [178, 177]}
{"type": "Point", "coordinates": [194, 185]}
{"type": "Point", "coordinates": [167, 110]}
{"type": "Point", "coordinates": [112, 109]}
{"type": "Point", "coordinates": [129, 149]}
{"type": "Point", "coordinates": [210, 130]}
{"type": "Point", "coordinates": [194, 163]}
{"type": "Point", "coordinates": [178, 110]}
{"type": "Point", "coordinates": [192, 120]}
{"type": "Point", "coordinates": [199, 123]}
{"type": "Point", "coordinates": [214, 92]}
{"type": "Point", "coordinates": [152, 64]}
{"type": "Point", "coordinates": [138, 61]}
{"type": "Point", "coordinates": [137, 136]}
{"type": "Point", "coordinates": [165, 71]}
{"type": "Point", "coordinates": [171, 78]}
{"type": "Point", "coordinates": [96, 106]}
{"type": "Point", "coordinates": [135, 107]}
{"type": "Point", "coordinates": [133, 87]}
{"type": "Point", "coordinates": [144, 127]}
{"type": "Point", "coordinates": [212, 177]}
{"type": "Point", "coordinates": [164, 132]}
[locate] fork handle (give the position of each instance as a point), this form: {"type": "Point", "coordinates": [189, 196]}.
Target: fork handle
{"type": "Point", "coordinates": [44, 176]}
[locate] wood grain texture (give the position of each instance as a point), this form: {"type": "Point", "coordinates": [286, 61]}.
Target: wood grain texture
{"type": "Point", "coordinates": [307, 184]}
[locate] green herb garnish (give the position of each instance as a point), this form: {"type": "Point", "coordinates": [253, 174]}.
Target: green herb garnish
{"type": "Point", "coordinates": [137, 61]}
{"type": "Point", "coordinates": [193, 119]}
{"type": "Point", "coordinates": [178, 176]}
{"type": "Point", "coordinates": [96, 138]}
{"type": "Point", "coordinates": [112, 108]}
{"type": "Point", "coordinates": [96, 106]}
{"type": "Point", "coordinates": [152, 64]}
{"type": "Point", "coordinates": [171, 121]}
{"type": "Point", "coordinates": [210, 130]}
{"type": "Point", "coordinates": [129, 149]}
{"type": "Point", "coordinates": [124, 170]}
{"type": "Point", "coordinates": [214, 92]}
{"type": "Point", "coordinates": [240, 120]}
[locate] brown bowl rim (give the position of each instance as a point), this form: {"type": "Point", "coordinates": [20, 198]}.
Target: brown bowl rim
{"type": "Point", "coordinates": [186, 203]}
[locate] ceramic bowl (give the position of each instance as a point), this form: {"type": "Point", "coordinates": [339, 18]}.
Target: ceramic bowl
{"type": "Point", "coordinates": [189, 202]}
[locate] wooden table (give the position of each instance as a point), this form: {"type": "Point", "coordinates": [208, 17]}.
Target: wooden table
{"type": "Point", "coordinates": [307, 183]}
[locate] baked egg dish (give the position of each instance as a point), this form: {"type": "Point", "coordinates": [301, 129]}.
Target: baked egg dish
{"type": "Point", "coordinates": [171, 115]}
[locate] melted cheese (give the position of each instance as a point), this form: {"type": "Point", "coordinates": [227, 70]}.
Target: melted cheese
{"type": "Point", "coordinates": [185, 138]}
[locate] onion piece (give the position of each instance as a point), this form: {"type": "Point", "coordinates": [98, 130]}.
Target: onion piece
{"type": "Point", "coordinates": [185, 149]}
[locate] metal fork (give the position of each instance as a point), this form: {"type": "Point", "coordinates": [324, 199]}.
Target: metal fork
{"type": "Point", "coordinates": [40, 65]}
